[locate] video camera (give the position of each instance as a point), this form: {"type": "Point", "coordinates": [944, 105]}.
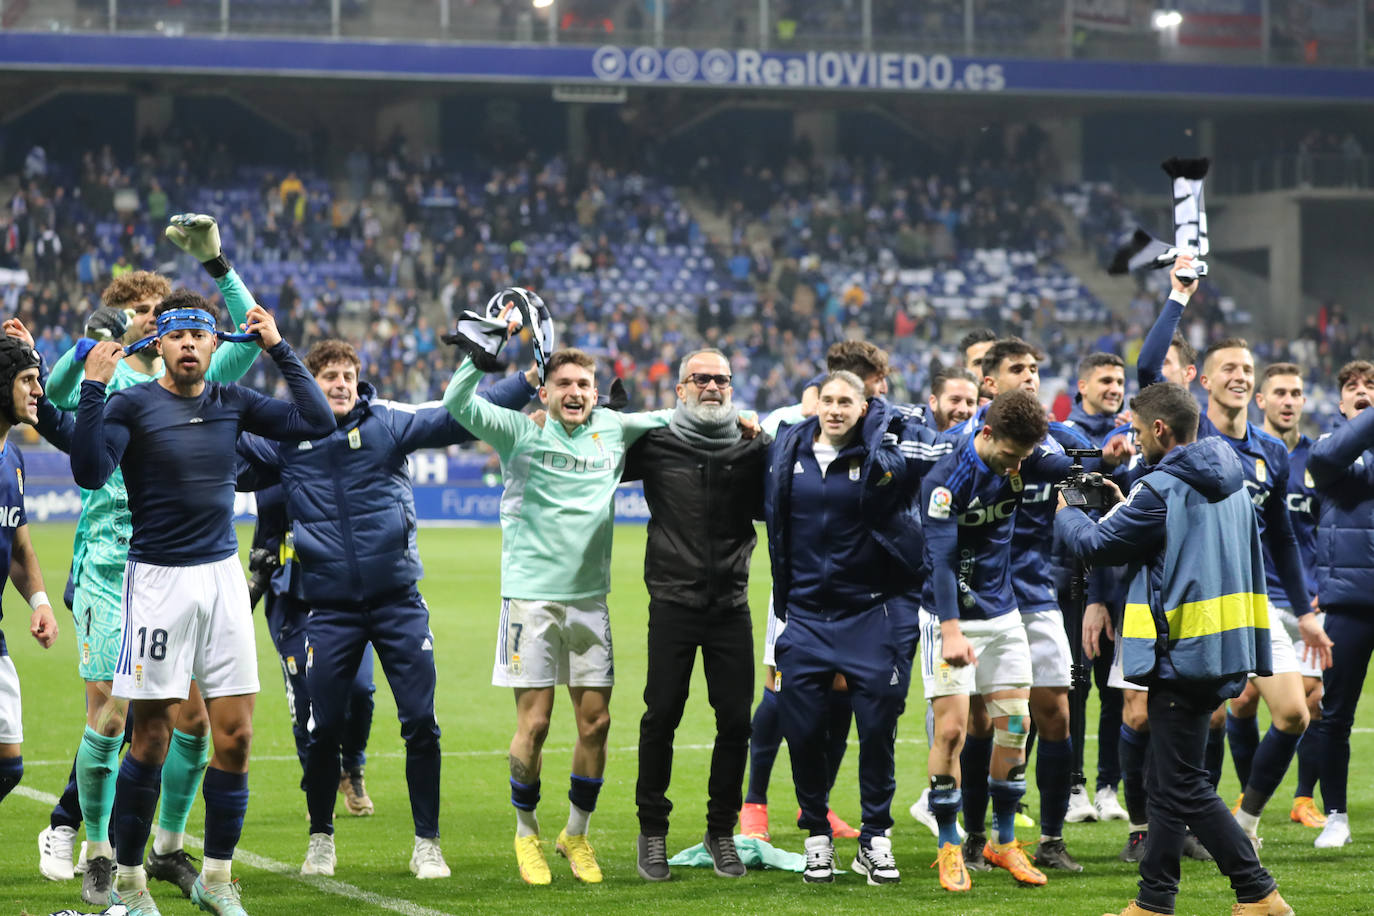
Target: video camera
{"type": "Point", "coordinates": [1082, 488]}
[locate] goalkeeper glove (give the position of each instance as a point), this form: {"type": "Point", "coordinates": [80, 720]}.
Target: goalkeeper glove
{"type": "Point", "coordinates": [198, 235]}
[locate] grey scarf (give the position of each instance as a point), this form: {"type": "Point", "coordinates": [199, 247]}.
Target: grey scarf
{"type": "Point", "coordinates": [705, 434]}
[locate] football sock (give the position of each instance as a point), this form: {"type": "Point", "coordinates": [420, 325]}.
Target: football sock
{"type": "Point", "coordinates": [1244, 737]}
{"type": "Point", "coordinates": [1052, 771]}
{"type": "Point", "coordinates": [226, 801]}
{"type": "Point", "coordinates": [582, 794]}
{"type": "Point", "coordinates": [97, 767]}
{"type": "Point", "coordinates": [1216, 754]}
{"type": "Point", "coordinates": [67, 811]}
{"type": "Point", "coordinates": [1309, 763]}
{"type": "Point", "coordinates": [135, 801]}
{"type": "Point", "coordinates": [11, 771]}
{"type": "Point", "coordinates": [945, 802]}
{"type": "Point", "coordinates": [763, 748]}
{"type": "Point", "coordinates": [974, 761]}
{"type": "Point", "coordinates": [1272, 759]}
{"type": "Point", "coordinates": [525, 798]}
{"type": "Point", "coordinates": [1133, 746]}
{"type": "Point", "coordinates": [1005, 794]}
{"type": "Point", "coordinates": [187, 756]}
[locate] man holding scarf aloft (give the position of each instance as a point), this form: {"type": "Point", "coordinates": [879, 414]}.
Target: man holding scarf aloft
{"type": "Point", "coordinates": [704, 485]}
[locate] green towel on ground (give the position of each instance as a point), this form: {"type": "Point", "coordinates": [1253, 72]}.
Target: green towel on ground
{"type": "Point", "coordinates": [753, 852]}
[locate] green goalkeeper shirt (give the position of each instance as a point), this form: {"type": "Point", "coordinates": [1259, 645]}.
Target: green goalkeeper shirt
{"type": "Point", "coordinates": [101, 546]}
{"type": "Point", "coordinates": [558, 507]}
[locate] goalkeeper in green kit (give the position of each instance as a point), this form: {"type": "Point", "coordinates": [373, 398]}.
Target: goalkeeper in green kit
{"type": "Point", "coordinates": [99, 555]}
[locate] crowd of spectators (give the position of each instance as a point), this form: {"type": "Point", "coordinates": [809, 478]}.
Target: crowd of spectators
{"type": "Point", "coordinates": [809, 251]}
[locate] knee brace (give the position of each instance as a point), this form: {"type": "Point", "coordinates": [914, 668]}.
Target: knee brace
{"type": "Point", "coordinates": [1017, 712]}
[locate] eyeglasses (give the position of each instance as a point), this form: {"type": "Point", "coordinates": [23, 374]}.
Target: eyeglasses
{"type": "Point", "coordinates": [702, 379]}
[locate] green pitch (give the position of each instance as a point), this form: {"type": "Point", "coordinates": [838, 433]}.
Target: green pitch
{"type": "Point", "coordinates": [478, 825]}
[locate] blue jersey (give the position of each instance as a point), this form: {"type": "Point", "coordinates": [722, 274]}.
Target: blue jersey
{"type": "Point", "coordinates": [968, 513]}
{"type": "Point", "coordinates": [178, 455]}
{"type": "Point", "coordinates": [1264, 464]}
{"type": "Point", "coordinates": [12, 516]}
{"type": "Point", "coordinates": [1302, 512]}
{"type": "Point", "coordinates": [1032, 543]}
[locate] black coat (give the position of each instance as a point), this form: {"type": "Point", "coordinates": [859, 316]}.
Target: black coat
{"type": "Point", "coordinates": [703, 505]}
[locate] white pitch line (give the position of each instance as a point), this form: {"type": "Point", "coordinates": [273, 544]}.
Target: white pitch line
{"type": "Point", "coordinates": [262, 863]}
{"type": "Point", "coordinates": [502, 752]}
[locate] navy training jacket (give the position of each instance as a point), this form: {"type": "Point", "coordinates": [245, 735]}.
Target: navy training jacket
{"type": "Point", "coordinates": [349, 495]}
{"type": "Point", "coordinates": [885, 508]}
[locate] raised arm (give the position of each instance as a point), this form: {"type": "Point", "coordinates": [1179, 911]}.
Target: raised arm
{"type": "Point", "coordinates": [1333, 454]}
{"type": "Point", "coordinates": [232, 360]}
{"type": "Point", "coordinates": [305, 416]}
{"type": "Point", "coordinates": [64, 381]}
{"type": "Point", "coordinates": [1155, 347]}
{"type": "Point", "coordinates": [430, 425]}
{"type": "Point", "coordinates": [499, 427]}
{"type": "Point", "coordinates": [101, 433]}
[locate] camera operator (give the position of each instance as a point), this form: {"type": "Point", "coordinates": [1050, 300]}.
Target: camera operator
{"type": "Point", "coordinates": [1196, 624]}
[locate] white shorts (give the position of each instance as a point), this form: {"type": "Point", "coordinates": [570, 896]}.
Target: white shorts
{"type": "Point", "coordinates": [181, 621]}
{"type": "Point", "coordinates": [771, 631]}
{"type": "Point", "coordinates": [1049, 648]}
{"type": "Point", "coordinates": [1004, 658]}
{"type": "Point", "coordinates": [1306, 667]}
{"type": "Point", "coordinates": [543, 643]}
{"type": "Point", "coordinates": [11, 710]}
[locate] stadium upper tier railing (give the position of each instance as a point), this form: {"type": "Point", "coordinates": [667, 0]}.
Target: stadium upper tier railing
{"type": "Point", "coordinates": [1329, 33]}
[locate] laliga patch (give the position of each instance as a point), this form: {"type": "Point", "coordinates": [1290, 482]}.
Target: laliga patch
{"type": "Point", "coordinates": [291, 664]}
{"type": "Point", "coordinates": [1261, 474]}
{"type": "Point", "coordinates": [19, 475]}
{"type": "Point", "coordinates": [517, 667]}
{"type": "Point", "coordinates": [1307, 479]}
{"type": "Point", "coordinates": [85, 653]}
{"type": "Point", "coordinates": [940, 501]}
{"type": "Point", "coordinates": [886, 479]}
{"type": "Point", "coordinates": [309, 657]}
{"type": "Point", "coordinates": [854, 469]}
{"type": "Point", "coordinates": [355, 438]}
{"type": "Point", "coordinates": [138, 675]}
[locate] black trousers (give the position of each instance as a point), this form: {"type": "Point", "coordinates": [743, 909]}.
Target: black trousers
{"type": "Point", "coordinates": [1181, 796]}
{"type": "Point", "coordinates": [725, 636]}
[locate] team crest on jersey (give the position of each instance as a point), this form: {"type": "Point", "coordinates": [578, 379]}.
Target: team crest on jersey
{"type": "Point", "coordinates": [1307, 479]}
{"type": "Point", "coordinates": [1016, 483]}
{"type": "Point", "coordinates": [854, 468]}
{"type": "Point", "coordinates": [940, 501]}
{"type": "Point", "coordinates": [1261, 473]}
{"type": "Point", "coordinates": [355, 438]}
{"type": "Point", "coordinates": [19, 476]}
